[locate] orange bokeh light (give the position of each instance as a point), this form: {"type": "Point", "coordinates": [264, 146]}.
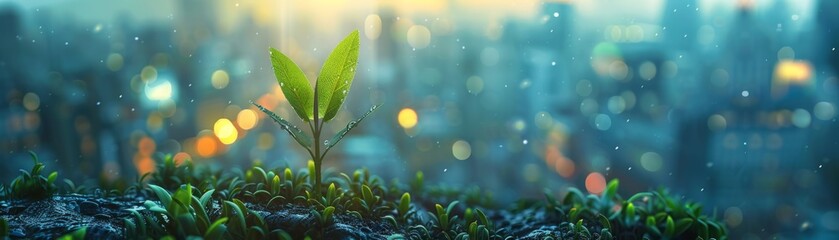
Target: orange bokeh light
{"type": "Point", "coordinates": [205, 146]}
{"type": "Point", "coordinates": [144, 164]}
{"type": "Point", "coordinates": [564, 166]}
{"type": "Point", "coordinates": [181, 157]}
{"type": "Point", "coordinates": [146, 146]}
{"type": "Point", "coordinates": [595, 183]}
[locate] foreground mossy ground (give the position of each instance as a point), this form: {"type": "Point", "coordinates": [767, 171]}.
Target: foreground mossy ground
{"type": "Point", "coordinates": [187, 202]}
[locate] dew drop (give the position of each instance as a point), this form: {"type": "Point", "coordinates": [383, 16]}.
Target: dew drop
{"type": "Point", "coordinates": [326, 142]}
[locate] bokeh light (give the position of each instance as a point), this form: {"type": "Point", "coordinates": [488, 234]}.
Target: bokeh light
{"type": "Point", "coordinates": [595, 183]}
{"type": "Point", "coordinates": [220, 79]}
{"type": "Point", "coordinates": [419, 36]}
{"type": "Point", "coordinates": [225, 131]}
{"type": "Point", "coordinates": [247, 119]}
{"type": "Point", "coordinates": [206, 146]}
{"type": "Point", "coordinates": [31, 101]}
{"type": "Point", "coordinates": [461, 150]}
{"type": "Point", "coordinates": [407, 118]}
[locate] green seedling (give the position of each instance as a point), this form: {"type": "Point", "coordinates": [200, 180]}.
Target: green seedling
{"type": "Point", "coordinates": [321, 104]}
{"type": "Point", "coordinates": [79, 234]}
{"type": "Point", "coordinates": [4, 228]}
{"type": "Point", "coordinates": [31, 185]}
{"type": "Point", "coordinates": [73, 188]}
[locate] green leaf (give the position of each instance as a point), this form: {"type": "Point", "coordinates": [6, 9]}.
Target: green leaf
{"type": "Point", "coordinates": [404, 204]}
{"type": "Point", "coordinates": [294, 84]}
{"type": "Point", "coordinates": [298, 135]}
{"type": "Point", "coordinates": [367, 194]}
{"type": "Point", "coordinates": [451, 207]}
{"type": "Point", "coordinates": [205, 198]}
{"type": "Point", "coordinates": [669, 227]}
{"type": "Point", "coordinates": [340, 135]}
{"type": "Point", "coordinates": [4, 228]}
{"type": "Point", "coordinates": [52, 177]}
{"type": "Point", "coordinates": [336, 76]}
{"type": "Point", "coordinates": [683, 225]}
{"type": "Point", "coordinates": [326, 217]}
{"type": "Point", "coordinates": [162, 194]}
{"type": "Point", "coordinates": [217, 229]}
{"type": "Point", "coordinates": [611, 189]}
{"type": "Point", "coordinates": [79, 234]}
{"type": "Point", "coordinates": [604, 222]}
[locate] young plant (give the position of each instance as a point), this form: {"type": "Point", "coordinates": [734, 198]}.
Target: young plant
{"type": "Point", "coordinates": [4, 228]}
{"type": "Point", "coordinates": [79, 234]}
{"type": "Point", "coordinates": [319, 105]}
{"type": "Point", "coordinates": [31, 185]}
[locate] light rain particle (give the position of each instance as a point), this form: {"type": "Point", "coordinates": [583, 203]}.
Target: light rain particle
{"type": "Point", "coordinates": [617, 147]}
{"type": "Point", "coordinates": [709, 164]}
{"type": "Point", "coordinates": [445, 169]}
{"type": "Point", "coordinates": [608, 168]}
{"type": "Point", "coordinates": [98, 103]}
{"type": "Point", "coordinates": [120, 96]}
{"type": "Point", "coordinates": [744, 93]}
{"type": "Point", "coordinates": [820, 166]}
{"type": "Point", "coordinates": [132, 109]}
{"type": "Point", "coordinates": [463, 47]}
{"type": "Point", "coordinates": [314, 49]}
{"type": "Point", "coordinates": [524, 142]}
{"type": "Point", "coordinates": [136, 38]}
{"type": "Point", "coordinates": [629, 168]}
{"type": "Point", "coordinates": [66, 43]}
{"type": "Point", "coordinates": [556, 14]}
{"type": "Point", "coordinates": [702, 190]}
{"type": "Point", "coordinates": [553, 63]}
{"type": "Point", "coordinates": [745, 143]}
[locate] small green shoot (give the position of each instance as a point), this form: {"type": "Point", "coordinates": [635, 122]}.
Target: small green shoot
{"type": "Point", "coordinates": [31, 185]}
{"type": "Point", "coordinates": [321, 104]}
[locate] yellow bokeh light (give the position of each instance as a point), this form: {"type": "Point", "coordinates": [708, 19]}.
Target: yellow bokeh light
{"type": "Point", "coordinates": [246, 119]}
{"type": "Point", "coordinates": [407, 118]}
{"type": "Point", "coordinates": [225, 131]}
{"type": "Point", "coordinates": [148, 74]}
{"type": "Point", "coordinates": [114, 62]}
{"type": "Point", "coordinates": [220, 79]}
{"type": "Point", "coordinates": [461, 150]}
{"type": "Point", "coordinates": [31, 101]}
{"type": "Point", "coordinates": [793, 72]}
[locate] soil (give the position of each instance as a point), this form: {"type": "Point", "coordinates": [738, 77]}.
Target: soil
{"type": "Point", "coordinates": [103, 217]}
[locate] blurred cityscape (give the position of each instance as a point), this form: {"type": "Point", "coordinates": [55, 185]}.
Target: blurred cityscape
{"type": "Point", "coordinates": [730, 103]}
